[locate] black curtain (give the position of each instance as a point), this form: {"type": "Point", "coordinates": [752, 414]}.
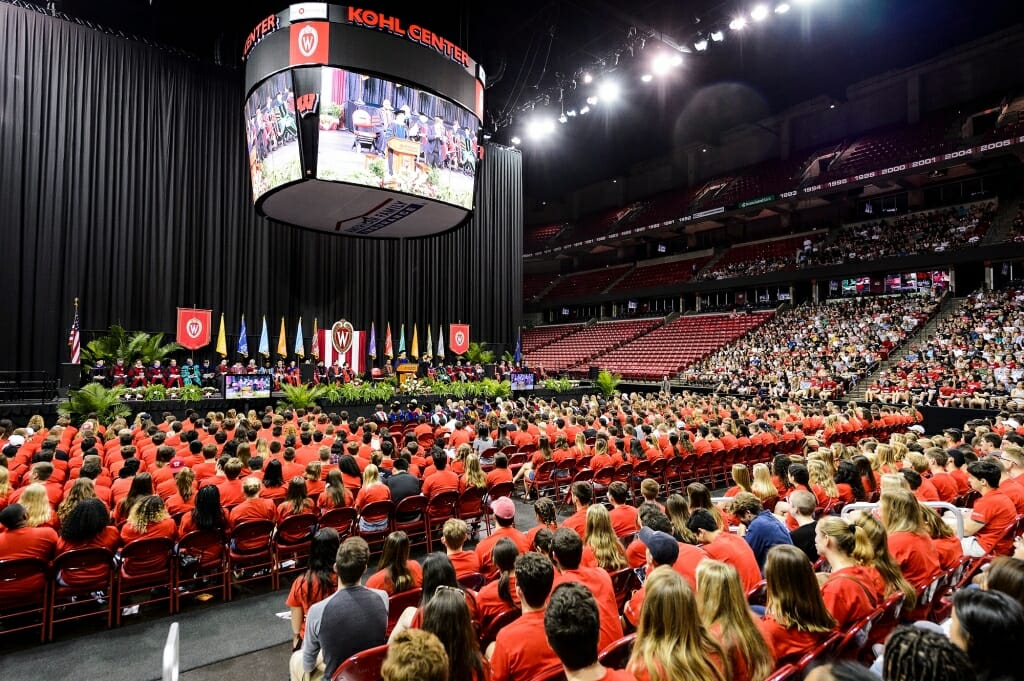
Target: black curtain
{"type": "Point", "coordinates": [123, 181]}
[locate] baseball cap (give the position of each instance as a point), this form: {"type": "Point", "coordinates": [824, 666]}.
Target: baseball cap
{"type": "Point", "coordinates": [917, 429]}
{"type": "Point", "coordinates": [16, 440]}
{"type": "Point", "coordinates": [663, 547]}
{"type": "Point", "coordinates": [504, 508]}
{"type": "Point", "coordinates": [177, 463]}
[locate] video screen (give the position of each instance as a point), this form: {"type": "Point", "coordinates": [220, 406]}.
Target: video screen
{"type": "Point", "coordinates": [248, 386]}
{"type": "Point", "coordinates": [521, 381]}
{"type": "Point", "coordinates": [383, 134]}
{"type": "Point", "coordinates": [272, 135]}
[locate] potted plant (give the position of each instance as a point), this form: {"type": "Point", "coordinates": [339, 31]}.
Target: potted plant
{"type": "Point", "coordinates": [93, 398]}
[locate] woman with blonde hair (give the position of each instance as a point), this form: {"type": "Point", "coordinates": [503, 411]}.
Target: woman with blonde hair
{"type": "Point", "coordinates": [37, 507]}
{"type": "Point", "coordinates": [823, 486]}
{"type": "Point", "coordinates": [82, 488]}
{"type": "Point", "coordinates": [796, 619]}
{"type": "Point", "coordinates": [184, 499]}
{"type": "Point", "coordinates": [724, 610]}
{"type": "Point", "coordinates": [741, 476]}
{"type": "Point", "coordinates": [853, 588]}
{"type": "Point", "coordinates": [907, 540]}
{"type": "Point", "coordinates": [886, 460]}
{"type": "Point", "coordinates": [678, 512]}
{"type": "Point", "coordinates": [149, 519]}
{"type": "Point", "coordinates": [335, 494]}
{"type": "Point", "coordinates": [474, 475]}
{"type": "Point", "coordinates": [947, 545]}
{"type": "Point", "coordinates": [671, 641]}
{"type": "Point", "coordinates": [372, 490]}
{"type": "Point", "coordinates": [579, 448]}
{"type": "Point", "coordinates": [884, 563]}
{"type": "Point", "coordinates": [601, 539]}
{"type": "Point", "coordinates": [762, 486]}
{"type": "Point", "coordinates": [5, 487]}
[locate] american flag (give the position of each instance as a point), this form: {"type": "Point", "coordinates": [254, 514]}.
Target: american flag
{"type": "Point", "coordinates": [75, 339]}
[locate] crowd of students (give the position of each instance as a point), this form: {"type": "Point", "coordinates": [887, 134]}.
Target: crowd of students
{"type": "Point", "coordinates": [935, 231]}
{"type": "Point", "coordinates": [974, 358]}
{"type": "Point", "coordinates": [64, 487]}
{"type": "Point", "coordinates": [813, 351]}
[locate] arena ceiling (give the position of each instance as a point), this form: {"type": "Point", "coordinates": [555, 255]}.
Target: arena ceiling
{"type": "Point", "coordinates": [530, 48]}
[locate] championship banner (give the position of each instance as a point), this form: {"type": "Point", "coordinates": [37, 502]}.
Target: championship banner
{"type": "Point", "coordinates": [458, 338]}
{"type": "Point", "coordinates": [194, 327]}
{"type": "Point", "coordinates": [342, 343]}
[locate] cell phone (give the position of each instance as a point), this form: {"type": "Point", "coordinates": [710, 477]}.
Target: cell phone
{"type": "Point", "coordinates": [641, 574]}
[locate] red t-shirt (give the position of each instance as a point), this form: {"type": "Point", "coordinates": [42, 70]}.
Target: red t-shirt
{"type": "Point", "coordinates": [852, 594]}
{"type": "Point", "coordinates": [163, 529]}
{"type": "Point", "coordinates": [946, 487]}
{"type": "Point", "coordinates": [440, 481]}
{"type": "Point", "coordinates": [916, 556]}
{"type": "Point", "coordinates": [300, 596]}
{"type": "Point", "coordinates": [380, 492]}
{"type": "Point", "coordinates": [624, 519]}
{"type": "Point", "coordinates": [381, 579]}
{"type": "Point", "coordinates": [996, 512]}
{"type": "Point", "coordinates": [1015, 493]}
{"type": "Point", "coordinates": [464, 562]}
{"type": "Point", "coordinates": [787, 644]}
{"type": "Point", "coordinates": [577, 522]}
{"type": "Point", "coordinates": [600, 584]}
{"type": "Point", "coordinates": [949, 550]}
{"type": "Point", "coordinates": [732, 549]}
{"type": "Point", "coordinates": [486, 546]}
{"type": "Point", "coordinates": [489, 604]}
{"type": "Point", "coordinates": [522, 652]}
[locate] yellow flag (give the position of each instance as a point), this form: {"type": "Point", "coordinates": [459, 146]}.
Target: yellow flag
{"type": "Point", "coordinates": [222, 339]}
{"type": "Point", "coordinates": [415, 352]}
{"type": "Point", "coordinates": [315, 348]}
{"type": "Point", "coordinates": [282, 343]}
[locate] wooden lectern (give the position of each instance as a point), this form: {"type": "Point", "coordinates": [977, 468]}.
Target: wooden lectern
{"type": "Point", "coordinates": [406, 372]}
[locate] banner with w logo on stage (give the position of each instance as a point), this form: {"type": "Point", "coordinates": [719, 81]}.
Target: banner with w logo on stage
{"type": "Point", "coordinates": [194, 327]}
{"type": "Point", "coordinates": [458, 339]}
{"type": "Point", "coordinates": [342, 343]}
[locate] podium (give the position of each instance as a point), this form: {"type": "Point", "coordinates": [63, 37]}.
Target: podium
{"type": "Point", "coordinates": [404, 154]}
{"type": "Point", "coordinates": [406, 372]}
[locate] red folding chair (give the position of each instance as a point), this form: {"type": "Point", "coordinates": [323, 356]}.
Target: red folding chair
{"type": "Point", "coordinates": [491, 628]}
{"type": "Point", "coordinates": [473, 581]}
{"type": "Point", "coordinates": [251, 553]}
{"type": "Point", "coordinates": [208, 572]}
{"type": "Point", "coordinates": [440, 508]}
{"type": "Point", "coordinates": [364, 666]}
{"type": "Point", "coordinates": [293, 542]}
{"type": "Point", "coordinates": [26, 593]}
{"type": "Point", "coordinates": [372, 512]}
{"type": "Point", "coordinates": [81, 585]}
{"type": "Point", "coordinates": [399, 602]}
{"type": "Point", "coordinates": [470, 507]}
{"type": "Point", "coordinates": [616, 655]}
{"type": "Point", "coordinates": [147, 570]}
{"type": "Point", "coordinates": [341, 519]}
{"type": "Point", "coordinates": [414, 509]}
{"type": "Point", "coordinates": [625, 582]}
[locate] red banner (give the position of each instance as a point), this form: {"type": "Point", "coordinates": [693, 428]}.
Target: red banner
{"type": "Point", "coordinates": [194, 327]}
{"type": "Point", "coordinates": [458, 338]}
{"type": "Point", "coordinates": [309, 42]}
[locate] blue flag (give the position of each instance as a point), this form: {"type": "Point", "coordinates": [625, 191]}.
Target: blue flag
{"type": "Point", "coordinates": [518, 356]}
{"type": "Point", "coordinates": [300, 343]}
{"type": "Point", "coordinates": [243, 342]}
{"type": "Point", "coordinates": [264, 339]}
{"type": "Point", "coordinates": [373, 342]}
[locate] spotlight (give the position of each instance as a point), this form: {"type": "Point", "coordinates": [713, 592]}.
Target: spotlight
{"type": "Point", "coordinates": [701, 45]}
{"type": "Point", "coordinates": [676, 60]}
{"type": "Point", "coordinates": [608, 91]}
{"type": "Point", "coordinates": [832, 105]}
{"type": "Point", "coordinates": [563, 118]}
{"type": "Point", "coordinates": [587, 78]}
{"type": "Point", "coordinates": [570, 113]}
{"type": "Point", "coordinates": [738, 24]}
{"type": "Point", "coordinates": [759, 13]}
{"type": "Point", "coordinates": [703, 150]}
{"type": "Point", "coordinates": [782, 8]}
{"type": "Point", "coordinates": [540, 127]}
{"type": "Point", "coordinates": [591, 100]}
{"type": "Point", "coordinates": [516, 141]}
{"type": "Point", "coordinates": [660, 64]}
{"type": "Point", "coordinates": [647, 78]}
{"type": "Point", "coordinates": [718, 36]}
{"type": "Point", "coordinates": [584, 111]}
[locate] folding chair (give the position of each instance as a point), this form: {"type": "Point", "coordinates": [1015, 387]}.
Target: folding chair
{"type": "Point", "coordinates": [364, 666]}
{"type": "Point", "coordinates": [147, 570]}
{"type": "Point", "coordinates": [210, 570]}
{"type": "Point", "coordinates": [25, 589]}
{"type": "Point", "coordinates": [79, 579]}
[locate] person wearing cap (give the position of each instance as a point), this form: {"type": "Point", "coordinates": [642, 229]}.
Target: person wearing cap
{"type": "Point", "coordinates": [663, 549]}
{"type": "Point", "coordinates": [505, 517]}
{"type": "Point", "coordinates": [567, 554]}
{"type": "Point", "coordinates": [721, 544]}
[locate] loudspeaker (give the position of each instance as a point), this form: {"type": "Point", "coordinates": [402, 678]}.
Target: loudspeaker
{"type": "Point", "coordinates": [594, 371]}
{"type": "Point", "coordinates": [70, 378]}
